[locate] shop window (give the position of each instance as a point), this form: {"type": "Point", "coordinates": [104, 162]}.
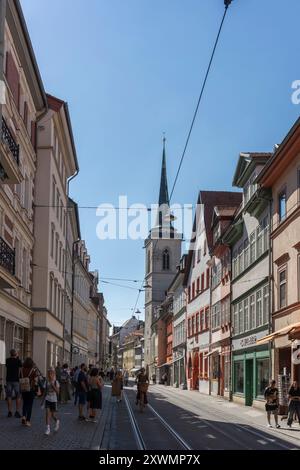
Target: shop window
{"type": "Point", "coordinates": [239, 376]}
{"type": "Point", "coordinates": [226, 371]}
{"type": "Point", "coordinates": [258, 309]}
{"type": "Point", "coordinates": [262, 368]}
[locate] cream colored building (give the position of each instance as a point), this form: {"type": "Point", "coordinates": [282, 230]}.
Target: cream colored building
{"type": "Point", "coordinates": [23, 104]}
{"type": "Point", "coordinates": [56, 163]}
{"type": "Point", "coordinates": [282, 175]}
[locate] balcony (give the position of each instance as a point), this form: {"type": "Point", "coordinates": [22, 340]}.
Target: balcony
{"type": "Point", "coordinates": [7, 266]}
{"type": "Point", "coordinates": [10, 172]}
{"type": "Point", "coordinates": [258, 201]}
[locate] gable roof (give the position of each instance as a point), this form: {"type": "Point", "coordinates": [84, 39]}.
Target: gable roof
{"type": "Point", "coordinates": [246, 163]}
{"type": "Point", "coordinates": [209, 200]}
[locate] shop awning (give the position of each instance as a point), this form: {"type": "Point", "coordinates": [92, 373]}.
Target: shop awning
{"type": "Point", "coordinates": [283, 331]}
{"type": "Point", "coordinates": [171, 362]}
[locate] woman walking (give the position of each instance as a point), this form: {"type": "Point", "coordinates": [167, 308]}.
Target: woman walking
{"type": "Point", "coordinates": [65, 383]}
{"type": "Point", "coordinates": [95, 394]}
{"type": "Point", "coordinates": [51, 396]}
{"type": "Point", "coordinates": [28, 378]}
{"type": "Point", "coordinates": [117, 386]}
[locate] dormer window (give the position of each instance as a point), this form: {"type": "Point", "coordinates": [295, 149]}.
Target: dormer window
{"type": "Point", "coordinates": [166, 260]}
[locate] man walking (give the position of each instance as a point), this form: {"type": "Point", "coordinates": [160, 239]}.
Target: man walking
{"type": "Point", "coordinates": [13, 366]}
{"type": "Point", "coordinates": [82, 384]}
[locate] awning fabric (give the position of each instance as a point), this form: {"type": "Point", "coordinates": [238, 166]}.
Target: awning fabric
{"type": "Point", "coordinates": [171, 362]}
{"type": "Point", "coordinates": [283, 331]}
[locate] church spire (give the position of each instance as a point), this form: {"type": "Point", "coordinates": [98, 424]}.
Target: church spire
{"type": "Point", "coordinates": [163, 192]}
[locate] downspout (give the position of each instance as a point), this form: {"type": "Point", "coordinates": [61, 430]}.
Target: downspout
{"type": "Point", "coordinates": [2, 34]}
{"type": "Point", "coordinates": [271, 290]}
{"type": "Point", "coordinates": [66, 269]}
{"type": "Point", "coordinates": [72, 299]}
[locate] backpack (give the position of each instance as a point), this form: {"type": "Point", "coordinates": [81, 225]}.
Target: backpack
{"type": "Point", "coordinates": [25, 385]}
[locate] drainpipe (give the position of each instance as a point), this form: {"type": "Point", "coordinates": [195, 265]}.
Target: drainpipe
{"type": "Point", "coordinates": [66, 267]}
{"type": "Point", "coordinates": [271, 290]}
{"type": "Point", "coordinates": [2, 30]}
{"type": "Point", "coordinates": [72, 299]}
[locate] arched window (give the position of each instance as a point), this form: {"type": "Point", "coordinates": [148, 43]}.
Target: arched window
{"type": "Point", "coordinates": [148, 262]}
{"type": "Point", "coordinates": [166, 260]}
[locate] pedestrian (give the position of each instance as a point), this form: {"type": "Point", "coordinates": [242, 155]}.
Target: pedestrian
{"type": "Point", "coordinates": [75, 384]}
{"type": "Point", "coordinates": [51, 396]}
{"type": "Point", "coordinates": [126, 377]}
{"type": "Point", "coordinates": [95, 390]}
{"type": "Point", "coordinates": [58, 370]}
{"type": "Point", "coordinates": [28, 378]}
{"type": "Point", "coordinates": [117, 386]}
{"type": "Point", "coordinates": [102, 374]}
{"type": "Point", "coordinates": [272, 403]}
{"type": "Point", "coordinates": [13, 367]}
{"type": "Point", "coordinates": [111, 374]}
{"type": "Point", "coordinates": [294, 403]}
{"type": "Point", "coordinates": [82, 385]}
{"type": "Point", "coordinates": [65, 382]}
{"type": "Point", "coordinates": [154, 378]}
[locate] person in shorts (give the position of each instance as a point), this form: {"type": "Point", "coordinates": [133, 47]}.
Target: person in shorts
{"type": "Point", "coordinates": [13, 367]}
{"type": "Point", "coordinates": [50, 401]}
{"type": "Point", "coordinates": [272, 403]}
{"type": "Point", "coordinates": [82, 389]}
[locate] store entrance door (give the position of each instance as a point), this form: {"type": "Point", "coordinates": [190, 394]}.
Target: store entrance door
{"type": "Point", "coordinates": [249, 383]}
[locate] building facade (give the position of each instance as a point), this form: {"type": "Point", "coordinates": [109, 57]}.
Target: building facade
{"type": "Point", "coordinates": [56, 163]}
{"type": "Point", "coordinates": [23, 104]}
{"type": "Point", "coordinates": [220, 359]}
{"type": "Point", "coordinates": [248, 237]}
{"type": "Point", "coordinates": [281, 175]}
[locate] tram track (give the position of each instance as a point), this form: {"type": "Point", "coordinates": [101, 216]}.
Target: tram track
{"type": "Point", "coordinates": [146, 429]}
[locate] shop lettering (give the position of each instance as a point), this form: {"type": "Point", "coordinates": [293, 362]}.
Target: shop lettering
{"type": "Point", "coordinates": [248, 341]}
{"type": "Point", "coordinates": [296, 353]}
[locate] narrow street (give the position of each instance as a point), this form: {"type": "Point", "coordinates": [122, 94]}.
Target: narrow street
{"type": "Point", "coordinates": [173, 420]}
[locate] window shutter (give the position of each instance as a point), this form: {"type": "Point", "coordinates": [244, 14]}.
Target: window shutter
{"type": "Point", "coordinates": [12, 76]}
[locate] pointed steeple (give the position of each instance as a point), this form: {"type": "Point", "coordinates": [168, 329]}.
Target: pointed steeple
{"type": "Point", "coordinates": [163, 192]}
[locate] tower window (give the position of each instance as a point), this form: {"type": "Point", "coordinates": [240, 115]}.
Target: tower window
{"type": "Point", "coordinates": [148, 262]}
{"type": "Point", "coordinates": [166, 260]}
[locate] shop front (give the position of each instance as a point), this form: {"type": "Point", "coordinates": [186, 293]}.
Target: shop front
{"type": "Point", "coordinates": [251, 365]}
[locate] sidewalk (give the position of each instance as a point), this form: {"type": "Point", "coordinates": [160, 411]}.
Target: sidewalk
{"type": "Point", "coordinates": [72, 435]}
{"type": "Point", "coordinates": [229, 411]}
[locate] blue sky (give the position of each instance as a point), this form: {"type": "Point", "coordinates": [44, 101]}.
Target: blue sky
{"type": "Point", "coordinates": [132, 69]}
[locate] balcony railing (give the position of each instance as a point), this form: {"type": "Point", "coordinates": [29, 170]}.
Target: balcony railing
{"type": "Point", "coordinates": [7, 257]}
{"type": "Point", "coordinates": [8, 139]}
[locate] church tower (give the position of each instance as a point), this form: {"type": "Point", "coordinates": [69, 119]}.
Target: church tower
{"type": "Point", "coordinates": [162, 256]}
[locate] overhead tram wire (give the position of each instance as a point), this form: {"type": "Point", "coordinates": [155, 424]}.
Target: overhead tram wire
{"type": "Point", "coordinates": [226, 4]}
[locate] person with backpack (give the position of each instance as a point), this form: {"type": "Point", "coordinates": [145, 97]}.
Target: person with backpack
{"type": "Point", "coordinates": [65, 384]}
{"type": "Point", "coordinates": [13, 367]}
{"type": "Point", "coordinates": [28, 378]}
{"type": "Point", "coordinates": [50, 401]}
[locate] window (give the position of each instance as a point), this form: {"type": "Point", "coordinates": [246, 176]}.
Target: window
{"type": "Point", "coordinates": [246, 314]}
{"type": "Point", "coordinates": [252, 247]}
{"type": "Point", "coordinates": [239, 376]}
{"type": "Point", "coordinates": [55, 298]}
{"type": "Point", "coordinates": [259, 241]}
{"type": "Point", "coordinates": [282, 205]}
{"type": "Point", "coordinates": [197, 323]}
{"type": "Point", "coordinates": [24, 270]}
{"type": "Point", "coordinates": [193, 290]}
{"type": "Point", "coordinates": [258, 309]}
{"type": "Point", "coordinates": [207, 318]}
{"type": "Point", "coordinates": [241, 319]}
{"type": "Point", "coordinates": [252, 312]}
{"type": "Point", "coordinates": [189, 294]}
{"type": "Point", "coordinates": [193, 325]}
{"type": "Point", "coordinates": [204, 248]}
{"type": "Point", "coordinates": [57, 203]}
{"type": "Point", "coordinates": [262, 367]}
{"type": "Point", "coordinates": [235, 319]}
{"type": "Point", "coordinates": [246, 254]}
{"type": "Point", "coordinates": [56, 249]}
{"type": "Point", "coordinates": [53, 192]}
{"type": "Point", "coordinates": [241, 259]}
{"type": "Point", "coordinates": [202, 282]}
{"type": "Point", "coordinates": [198, 286]}
{"type": "Point", "coordinates": [202, 320]}
{"type": "Point", "coordinates": [189, 327]}
{"type": "Point", "coordinates": [60, 256]}
{"type": "Point", "coordinates": [52, 241]}
{"type": "Point", "coordinates": [265, 304]}
{"type": "Point", "coordinates": [282, 289]}
{"type": "Point", "coordinates": [166, 260]}
{"type": "Point", "coordinates": [215, 366]}
{"type": "Point", "coordinates": [17, 258]}
{"type": "Point", "coordinates": [207, 278]}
